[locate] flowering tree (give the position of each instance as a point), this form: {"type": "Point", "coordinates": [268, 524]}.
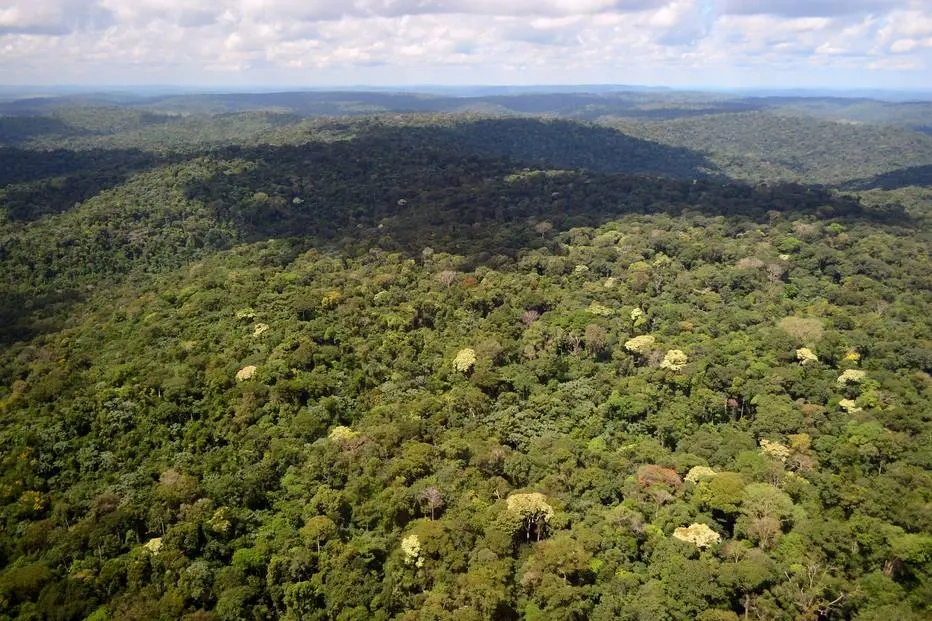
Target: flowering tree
{"type": "Point", "coordinates": [698, 473]}
{"type": "Point", "coordinates": [675, 360]}
{"type": "Point", "coordinates": [805, 356]}
{"type": "Point", "coordinates": [465, 360]}
{"type": "Point", "coordinates": [246, 373]}
{"type": "Point", "coordinates": [699, 535]}
{"type": "Point", "coordinates": [851, 376]}
{"type": "Point", "coordinates": [411, 547]}
{"type": "Point", "coordinates": [640, 344]}
{"type": "Point", "coordinates": [532, 510]}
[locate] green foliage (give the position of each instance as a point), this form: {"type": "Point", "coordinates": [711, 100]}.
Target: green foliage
{"type": "Point", "coordinates": [770, 145]}
{"type": "Point", "coordinates": [360, 473]}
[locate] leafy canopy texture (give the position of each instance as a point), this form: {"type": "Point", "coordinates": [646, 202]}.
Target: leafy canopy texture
{"type": "Point", "coordinates": [255, 366]}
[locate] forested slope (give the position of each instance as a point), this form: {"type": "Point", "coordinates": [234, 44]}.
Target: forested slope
{"type": "Point", "coordinates": [458, 369]}
{"type": "Point", "coordinates": [768, 146]}
{"type": "Point", "coordinates": [804, 141]}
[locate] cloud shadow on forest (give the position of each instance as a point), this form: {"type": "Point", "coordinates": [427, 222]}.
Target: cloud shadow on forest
{"type": "Point", "coordinates": [49, 182]}
{"type": "Point", "coordinates": [473, 188]}
{"type": "Point", "coordinates": [893, 180]}
{"type": "Point", "coordinates": [18, 130]}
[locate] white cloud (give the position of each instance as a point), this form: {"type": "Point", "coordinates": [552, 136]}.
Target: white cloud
{"type": "Point", "coordinates": [902, 46]}
{"type": "Point", "coordinates": [52, 17]}
{"type": "Point", "coordinates": [465, 41]}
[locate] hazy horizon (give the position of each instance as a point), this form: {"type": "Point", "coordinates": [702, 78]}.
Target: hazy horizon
{"type": "Point", "coordinates": [24, 91]}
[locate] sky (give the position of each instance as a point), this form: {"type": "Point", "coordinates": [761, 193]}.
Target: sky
{"type": "Point", "coordinates": [322, 43]}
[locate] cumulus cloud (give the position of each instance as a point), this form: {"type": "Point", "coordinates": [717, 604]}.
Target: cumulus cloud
{"type": "Point", "coordinates": [53, 17]}
{"type": "Point", "coordinates": [314, 10]}
{"type": "Point", "coordinates": [466, 41]}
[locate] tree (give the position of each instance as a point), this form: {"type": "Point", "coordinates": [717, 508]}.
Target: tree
{"type": "Point", "coordinates": [596, 339]}
{"type": "Point", "coordinates": [552, 576]}
{"type": "Point", "coordinates": [532, 512]}
{"type": "Point", "coordinates": [465, 360]}
{"type": "Point", "coordinates": [640, 344]}
{"type": "Point", "coordinates": [806, 331]}
{"type": "Point", "coordinates": [764, 508]}
{"type": "Point", "coordinates": [319, 528]}
{"type": "Point", "coordinates": [543, 228]}
{"type": "Point", "coordinates": [699, 535]}
{"type": "Point", "coordinates": [674, 360]}
{"type": "Point", "coordinates": [431, 498]}
{"type": "Point", "coordinates": [749, 573]}
{"type": "Point", "coordinates": [722, 493]}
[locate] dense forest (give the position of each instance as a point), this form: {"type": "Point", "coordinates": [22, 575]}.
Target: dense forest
{"type": "Point", "coordinates": [613, 356]}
